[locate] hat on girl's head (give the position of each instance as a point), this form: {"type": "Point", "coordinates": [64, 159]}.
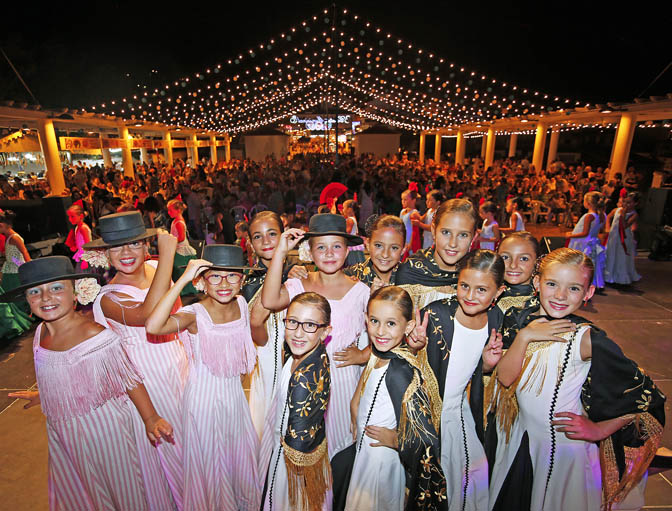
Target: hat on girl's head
{"type": "Point", "coordinates": [328, 224]}
{"type": "Point", "coordinates": [120, 229]}
{"type": "Point", "coordinates": [226, 257]}
{"type": "Point", "coordinates": [44, 270]}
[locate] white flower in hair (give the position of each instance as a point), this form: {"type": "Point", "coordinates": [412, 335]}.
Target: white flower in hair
{"type": "Point", "coordinates": [199, 285]}
{"type": "Point", "coordinates": [96, 258]}
{"type": "Point", "coordinates": [304, 252]}
{"type": "Point", "coordinates": [86, 290]}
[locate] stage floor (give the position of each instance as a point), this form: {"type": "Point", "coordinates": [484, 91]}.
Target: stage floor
{"type": "Point", "coordinates": [639, 319]}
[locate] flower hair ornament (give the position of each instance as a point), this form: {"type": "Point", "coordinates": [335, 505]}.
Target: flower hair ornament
{"type": "Point", "coordinates": [199, 285]}
{"type": "Point", "coordinates": [96, 258]}
{"type": "Point", "coordinates": [86, 290]}
{"type": "Point", "coordinates": [304, 252]}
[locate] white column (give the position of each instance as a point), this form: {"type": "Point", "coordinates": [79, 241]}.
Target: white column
{"type": "Point", "coordinates": [421, 152]}
{"type": "Point", "coordinates": [227, 148]}
{"type": "Point", "coordinates": [126, 158]}
{"type": "Point", "coordinates": [213, 149]}
{"type": "Point", "coordinates": [539, 146]}
{"type": "Point", "coordinates": [484, 146]}
{"type": "Point", "coordinates": [553, 146]}
{"type": "Point", "coordinates": [54, 171]}
{"type": "Point", "coordinates": [437, 148]}
{"type": "Point", "coordinates": [490, 148]}
{"type": "Point", "coordinates": [459, 148]}
{"type": "Point", "coordinates": [168, 150]}
{"type": "Point", "coordinates": [194, 151]}
{"type": "Point", "coordinates": [622, 144]}
{"type": "Point", "coordinates": [513, 142]}
{"type": "Point", "coordinates": [144, 156]}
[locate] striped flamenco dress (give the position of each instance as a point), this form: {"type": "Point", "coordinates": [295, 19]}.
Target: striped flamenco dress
{"type": "Point", "coordinates": [220, 442]}
{"type": "Point", "coordinates": [93, 458]}
{"type": "Point", "coordinates": [163, 363]}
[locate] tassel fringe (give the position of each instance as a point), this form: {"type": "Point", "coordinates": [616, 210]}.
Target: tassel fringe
{"type": "Point", "coordinates": [74, 383]}
{"type": "Point", "coordinates": [308, 477]}
{"type": "Point", "coordinates": [637, 461]}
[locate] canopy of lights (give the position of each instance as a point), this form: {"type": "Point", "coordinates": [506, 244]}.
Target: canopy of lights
{"type": "Point", "coordinates": [339, 59]}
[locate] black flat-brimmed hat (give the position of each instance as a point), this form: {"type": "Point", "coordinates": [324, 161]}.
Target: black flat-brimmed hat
{"type": "Point", "coordinates": [120, 229]}
{"type": "Point", "coordinates": [226, 257]}
{"type": "Point", "coordinates": [44, 270]}
{"type": "Point", "coordinates": [328, 224]}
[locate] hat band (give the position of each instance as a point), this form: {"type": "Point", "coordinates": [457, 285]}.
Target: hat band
{"type": "Point", "coordinates": [112, 236]}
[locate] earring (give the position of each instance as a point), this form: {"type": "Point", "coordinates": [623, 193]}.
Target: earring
{"type": "Point", "coordinates": [492, 305]}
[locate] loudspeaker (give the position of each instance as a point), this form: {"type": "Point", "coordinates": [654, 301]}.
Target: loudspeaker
{"type": "Point", "coordinates": [550, 243]}
{"type": "Point", "coordinates": [40, 219]}
{"type": "Point", "coordinates": [656, 212]}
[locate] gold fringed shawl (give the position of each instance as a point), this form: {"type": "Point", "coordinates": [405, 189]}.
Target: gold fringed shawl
{"type": "Point", "coordinates": [308, 477]}
{"type": "Point", "coordinates": [424, 295]}
{"type": "Point", "coordinates": [418, 412]}
{"type": "Point", "coordinates": [617, 387]}
{"type": "Point", "coordinates": [637, 460]}
{"type": "Point", "coordinates": [305, 442]}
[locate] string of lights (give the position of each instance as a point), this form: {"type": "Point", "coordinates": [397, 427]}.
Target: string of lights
{"type": "Point", "coordinates": [347, 61]}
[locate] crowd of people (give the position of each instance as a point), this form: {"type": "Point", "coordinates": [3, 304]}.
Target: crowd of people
{"type": "Point", "coordinates": [419, 356]}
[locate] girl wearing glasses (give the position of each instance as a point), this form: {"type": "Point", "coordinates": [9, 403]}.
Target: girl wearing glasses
{"type": "Point", "coordinates": [328, 241]}
{"type": "Point", "coordinates": [220, 442]}
{"type": "Point", "coordinates": [293, 460]}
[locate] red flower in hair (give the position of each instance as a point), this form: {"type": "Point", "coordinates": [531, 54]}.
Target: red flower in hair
{"type": "Point", "coordinates": [413, 186]}
{"type": "Point", "coordinates": [481, 201]}
{"type": "Point", "coordinates": [78, 203]}
{"type": "Point", "coordinates": [623, 193]}
{"type": "Point", "coordinates": [459, 195]}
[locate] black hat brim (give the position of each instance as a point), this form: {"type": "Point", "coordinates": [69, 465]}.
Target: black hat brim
{"type": "Point", "coordinates": [17, 293]}
{"type": "Point", "coordinates": [236, 268]}
{"type": "Point", "coordinates": [100, 242]}
{"type": "Point", "coordinates": [352, 239]}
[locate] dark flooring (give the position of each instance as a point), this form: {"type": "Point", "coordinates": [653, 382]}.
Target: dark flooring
{"type": "Point", "coordinates": [638, 318]}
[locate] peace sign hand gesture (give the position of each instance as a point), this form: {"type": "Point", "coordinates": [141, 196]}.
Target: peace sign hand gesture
{"type": "Point", "coordinates": [417, 338]}
{"type": "Point", "coordinates": [493, 351]}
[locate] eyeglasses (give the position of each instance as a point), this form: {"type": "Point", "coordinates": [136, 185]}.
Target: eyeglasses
{"type": "Point", "coordinates": [216, 279]}
{"type": "Point", "coordinates": [308, 326]}
{"type": "Point", "coordinates": [136, 245]}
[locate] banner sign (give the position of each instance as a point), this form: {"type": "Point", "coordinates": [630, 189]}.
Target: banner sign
{"type": "Point", "coordinates": [72, 144]}
{"type": "Point", "coordinates": [319, 123]}
{"type": "Point", "coordinates": [140, 143]}
{"type": "Point", "coordinates": [114, 143]}
{"type": "Point", "coordinates": [179, 143]}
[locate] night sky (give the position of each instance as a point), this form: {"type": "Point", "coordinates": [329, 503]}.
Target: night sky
{"type": "Point", "coordinates": [74, 54]}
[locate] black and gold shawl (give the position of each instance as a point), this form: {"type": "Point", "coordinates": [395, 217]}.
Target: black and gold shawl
{"type": "Point", "coordinates": [365, 272]}
{"type": "Point", "coordinates": [515, 295]}
{"type": "Point", "coordinates": [417, 407]}
{"type": "Point", "coordinates": [422, 278]}
{"type": "Point", "coordinates": [305, 442]}
{"type": "Point", "coordinates": [440, 330]}
{"type": "Point", "coordinates": [422, 268]}
{"type": "Point", "coordinates": [256, 279]}
{"type": "Point", "coordinates": [615, 387]}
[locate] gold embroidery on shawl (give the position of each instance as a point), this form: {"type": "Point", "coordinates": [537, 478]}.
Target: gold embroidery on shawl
{"type": "Point", "coordinates": [424, 295]}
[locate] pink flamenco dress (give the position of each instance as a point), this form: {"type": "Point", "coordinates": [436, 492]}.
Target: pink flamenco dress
{"type": "Point", "coordinates": [163, 362]}
{"type": "Point", "coordinates": [348, 322]}
{"type": "Point", "coordinates": [93, 458]}
{"type": "Point", "coordinates": [220, 442]}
